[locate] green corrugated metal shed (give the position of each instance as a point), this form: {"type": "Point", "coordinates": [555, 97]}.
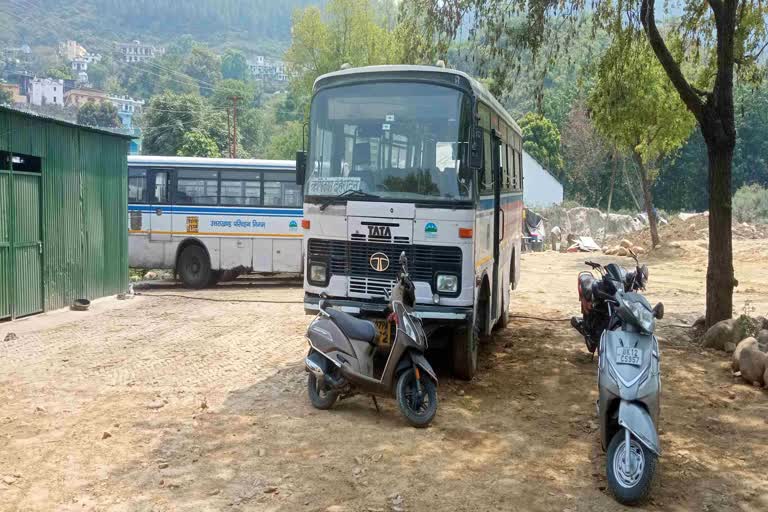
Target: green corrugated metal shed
{"type": "Point", "coordinates": [63, 213]}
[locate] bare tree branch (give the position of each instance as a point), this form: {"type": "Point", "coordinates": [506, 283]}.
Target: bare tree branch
{"type": "Point", "coordinates": [689, 95]}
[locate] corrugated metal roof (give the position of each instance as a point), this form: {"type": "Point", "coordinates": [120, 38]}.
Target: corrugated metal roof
{"type": "Point", "coordinates": [34, 115]}
{"type": "Point", "coordinates": [478, 88]}
{"type": "Point", "coordinates": [212, 163]}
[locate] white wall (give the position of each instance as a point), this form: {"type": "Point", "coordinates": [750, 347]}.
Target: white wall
{"type": "Point", "coordinates": [540, 189]}
{"type": "Point", "coordinates": [46, 91]}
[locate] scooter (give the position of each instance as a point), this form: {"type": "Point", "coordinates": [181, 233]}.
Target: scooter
{"type": "Point", "coordinates": [629, 385]}
{"type": "Point", "coordinates": [340, 362]}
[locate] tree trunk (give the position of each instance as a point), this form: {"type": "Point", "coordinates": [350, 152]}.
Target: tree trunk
{"type": "Point", "coordinates": [614, 165]}
{"type": "Point", "coordinates": [720, 275]}
{"type": "Point", "coordinates": [653, 222]}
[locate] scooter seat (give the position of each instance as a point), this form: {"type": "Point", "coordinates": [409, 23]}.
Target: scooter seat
{"type": "Point", "coordinates": [362, 330]}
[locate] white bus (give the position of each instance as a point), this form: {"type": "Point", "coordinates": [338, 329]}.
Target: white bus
{"type": "Point", "coordinates": [210, 219]}
{"type": "Point", "coordinates": [417, 159]}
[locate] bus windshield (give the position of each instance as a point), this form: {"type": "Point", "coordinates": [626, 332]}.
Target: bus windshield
{"type": "Point", "coordinates": [394, 141]}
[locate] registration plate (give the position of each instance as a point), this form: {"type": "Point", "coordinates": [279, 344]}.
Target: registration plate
{"type": "Point", "coordinates": [631, 356]}
{"type": "Point", "coordinates": [382, 331]}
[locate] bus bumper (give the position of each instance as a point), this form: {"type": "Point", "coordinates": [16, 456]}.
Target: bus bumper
{"type": "Point", "coordinates": [359, 307]}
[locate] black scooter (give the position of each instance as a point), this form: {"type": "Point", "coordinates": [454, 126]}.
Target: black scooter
{"type": "Point", "coordinates": [340, 362]}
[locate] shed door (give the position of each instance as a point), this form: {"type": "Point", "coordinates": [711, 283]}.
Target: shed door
{"type": "Point", "coordinates": [26, 244]}
{"type": "Point", "coordinates": [5, 244]}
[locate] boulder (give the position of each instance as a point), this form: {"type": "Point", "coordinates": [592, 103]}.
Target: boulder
{"type": "Point", "coordinates": [729, 348]}
{"type": "Point", "coordinates": [765, 376]}
{"type": "Point", "coordinates": [731, 330]}
{"type": "Point", "coordinates": [745, 344]}
{"type": "Point", "coordinates": [762, 340]}
{"type": "Point", "coordinates": [752, 365]}
{"type": "Point", "coordinates": [626, 243]}
{"type": "Point", "coordinates": [638, 250]}
{"type": "Point", "coordinates": [622, 251]}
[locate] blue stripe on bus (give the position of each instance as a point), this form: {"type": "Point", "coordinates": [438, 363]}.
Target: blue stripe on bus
{"type": "Point", "coordinates": [267, 212]}
{"type": "Point", "coordinates": [487, 203]}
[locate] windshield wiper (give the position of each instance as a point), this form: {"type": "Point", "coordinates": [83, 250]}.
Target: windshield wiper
{"type": "Point", "coordinates": [348, 193]}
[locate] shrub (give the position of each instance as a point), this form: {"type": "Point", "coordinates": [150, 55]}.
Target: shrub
{"type": "Point", "coordinates": [750, 204]}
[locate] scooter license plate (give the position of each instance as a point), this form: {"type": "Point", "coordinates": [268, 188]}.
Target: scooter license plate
{"type": "Point", "coordinates": [382, 331]}
{"type": "Point", "coordinates": [631, 356]}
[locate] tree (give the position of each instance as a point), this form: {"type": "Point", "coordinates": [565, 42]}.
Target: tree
{"type": "Point", "coordinates": [169, 117]}
{"type": "Point", "coordinates": [60, 72]}
{"type": "Point", "coordinates": [283, 145]}
{"type": "Point", "coordinates": [717, 35]}
{"type": "Point", "coordinates": [203, 66]}
{"type": "Point", "coordinates": [195, 143]}
{"type": "Point", "coordinates": [635, 106]}
{"type": "Point", "coordinates": [5, 96]}
{"type": "Point", "coordinates": [234, 65]}
{"type": "Point", "coordinates": [541, 139]}
{"type": "Point", "coordinates": [101, 115]}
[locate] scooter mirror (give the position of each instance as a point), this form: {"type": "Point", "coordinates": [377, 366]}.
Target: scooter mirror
{"type": "Point", "coordinates": [658, 311]}
{"type": "Point", "coordinates": [404, 261]}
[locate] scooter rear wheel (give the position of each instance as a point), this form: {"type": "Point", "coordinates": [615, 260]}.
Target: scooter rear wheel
{"type": "Point", "coordinates": [418, 409]}
{"type": "Point", "coordinates": [629, 485]}
{"type": "Point", "coordinates": [323, 398]}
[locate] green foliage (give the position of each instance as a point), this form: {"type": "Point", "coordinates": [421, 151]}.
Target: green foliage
{"type": "Point", "coordinates": [635, 106]}
{"type": "Point", "coordinates": [101, 115]}
{"type": "Point", "coordinates": [5, 96]}
{"type": "Point", "coordinates": [248, 94]}
{"type": "Point", "coordinates": [195, 143]}
{"type": "Point", "coordinates": [541, 139]}
{"type": "Point", "coordinates": [98, 73]}
{"type": "Point", "coordinates": [234, 65]}
{"type": "Point", "coordinates": [347, 31]}
{"type": "Point", "coordinates": [285, 142]}
{"type": "Point", "coordinates": [169, 116]}
{"type": "Point", "coordinates": [750, 204]}
{"type": "Point", "coordinates": [204, 66]}
{"type": "Point", "coordinates": [60, 72]}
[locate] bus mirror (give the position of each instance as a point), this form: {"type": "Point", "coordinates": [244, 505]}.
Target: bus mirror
{"type": "Point", "coordinates": [301, 166]}
{"type": "Point", "coordinates": [476, 148]}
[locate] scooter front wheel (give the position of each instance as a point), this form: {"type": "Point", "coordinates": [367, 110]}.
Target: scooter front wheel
{"type": "Point", "coordinates": [320, 396]}
{"type": "Point", "coordinates": [417, 399]}
{"type": "Point", "coordinates": [630, 479]}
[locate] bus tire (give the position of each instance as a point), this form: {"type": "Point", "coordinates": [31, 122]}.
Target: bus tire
{"type": "Point", "coordinates": [194, 267]}
{"type": "Point", "coordinates": [465, 346]}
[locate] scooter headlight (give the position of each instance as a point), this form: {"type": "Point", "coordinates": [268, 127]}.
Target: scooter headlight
{"type": "Point", "coordinates": [644, 318]}
{"type": "Point", "coordinates": [447, 283]}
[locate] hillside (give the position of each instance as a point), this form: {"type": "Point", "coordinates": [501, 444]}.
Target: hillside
{"type": "Point", "coordinates": [258, 25]}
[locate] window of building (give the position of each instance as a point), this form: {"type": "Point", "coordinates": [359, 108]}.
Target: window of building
{"type": "Point", "coordinates": [197, 187]}
{"type": "Point", "coordinates": [240, 188]}
{"type": "Point", "coordinates": [137, 185]}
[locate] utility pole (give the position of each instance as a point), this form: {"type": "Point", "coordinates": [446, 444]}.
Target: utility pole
{"type": "Point", "coordinates": [229, 134]}
{"type": "Point", "coordinates": [234, 125]}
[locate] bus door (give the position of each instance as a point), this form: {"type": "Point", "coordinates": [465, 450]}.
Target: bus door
{"type": "Point", "coordinates": [498, 223]}
{"type": "Point", "coordinates": [160, 215]}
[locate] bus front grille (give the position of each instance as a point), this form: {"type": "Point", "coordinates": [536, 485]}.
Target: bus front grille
{"type": "Point", "coordinates": [353, 259]}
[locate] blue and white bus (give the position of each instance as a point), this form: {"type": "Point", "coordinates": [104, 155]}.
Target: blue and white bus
{"type": "Point", "coordinates": [214, 218]}
{"type": "Point", "coordinates": [422, 160]}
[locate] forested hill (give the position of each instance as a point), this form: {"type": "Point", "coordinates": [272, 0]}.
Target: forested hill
{"type": "Point", "coordinates": [249, 23]}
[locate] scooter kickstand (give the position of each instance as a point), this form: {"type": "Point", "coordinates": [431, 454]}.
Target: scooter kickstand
{"type": "Point", "coordinates": [378, 411]}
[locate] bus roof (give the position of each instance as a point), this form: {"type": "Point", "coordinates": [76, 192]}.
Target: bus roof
{"type": "Point", "coordinates": [478, 89]}
{"type": "Point", "coordinates": [212, 163]}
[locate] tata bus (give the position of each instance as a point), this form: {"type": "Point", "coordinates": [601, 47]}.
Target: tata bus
{"type": "Point", "coordinates": [214, 218]}
{"type": "Point", "coordinates": [422, 160]}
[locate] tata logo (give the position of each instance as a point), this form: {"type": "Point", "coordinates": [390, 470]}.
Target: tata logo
{"type": "Point", "coordinates": [379, 261]}
{"type": "Point", "coordinates": [379, 231]}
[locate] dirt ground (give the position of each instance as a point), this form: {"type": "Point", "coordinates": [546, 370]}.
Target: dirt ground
{"type": "Point", "coordinates": [170, 403]}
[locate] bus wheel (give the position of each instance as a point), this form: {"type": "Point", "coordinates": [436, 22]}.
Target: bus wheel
{"type": "Point", "coordinates": [194, 267]}
{"type": "Point", "coordinates": [466, 340]}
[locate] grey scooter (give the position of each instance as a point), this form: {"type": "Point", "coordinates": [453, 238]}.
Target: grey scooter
{"type": "Point", "coordinates": [340, 362]}
{"type": "Point", "coordinates": [629, 385]}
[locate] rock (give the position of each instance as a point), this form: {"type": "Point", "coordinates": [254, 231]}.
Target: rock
{"type": "Point", "coordinates": [9, 479]}
{"type": "Point", "coordinates": [156, 405]}
{"type": "Point", "coordinates": [699, 323]}
{"type": "Point", "coordinates": [762, 340]}
{"type": "Point", "coordinates": [622, 251]}
{"type": "Point", "coordinates": [105, 435]}
{"type": "Point", "coordinates": [729, 348]}
{"type": "Point", "coordinates": [261, 452]}
{"type": "Point", "coordinates": [732, 329]}
{"type": "Point", "coordinates": [162, 465]}
{"type": "Point", "coordinates": [625, 244]}
{"type": "Point", "coordinates": [150, 276]}
{"type": "Point", "coordinates": [270, 489]}
{"type": "Point", "coordinates": [638, 250]}
{"type": "Point", "coordinates": [11, 336]}
{"type": "Point", "coordinates": [752, 364]}
{"type": "Point", "coordinates": [745, 344]}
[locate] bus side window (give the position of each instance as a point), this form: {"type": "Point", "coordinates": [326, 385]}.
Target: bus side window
{"type": "Point", "coordinates": [137, 186]}
{"type": "Point", "coordinates": [197, 187]}
{"type": "Point", "coordinates": [280, 189]}
{"type": "Point", "coordinates": [486, 173]}
{"type": "Point", "coordinates": [159, 190]}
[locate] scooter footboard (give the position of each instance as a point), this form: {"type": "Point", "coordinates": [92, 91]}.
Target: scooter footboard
{"type": "Point", "coordinates": [638, 421]}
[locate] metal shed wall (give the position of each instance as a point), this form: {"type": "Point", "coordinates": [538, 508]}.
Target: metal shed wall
{"type": "Point", "coordinates": [83, 205]}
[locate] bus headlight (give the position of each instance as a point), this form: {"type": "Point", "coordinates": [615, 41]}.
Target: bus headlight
{"type": "Point", "coordinates": [318, 273]}
{"type": "Point", "coordinates": [447, 283]}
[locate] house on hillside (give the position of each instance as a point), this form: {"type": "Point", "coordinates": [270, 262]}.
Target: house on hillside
{"type": "Point", "coordinates": [46, 91]}
{"type": "Point", "coordinates": [81, 96]}
{"type": "Point", "coordinates": [14, 89]}
{"type": "Point", "coordinates": [540, 188]}
{"type": "Point", "coordinates": [135, 51]}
